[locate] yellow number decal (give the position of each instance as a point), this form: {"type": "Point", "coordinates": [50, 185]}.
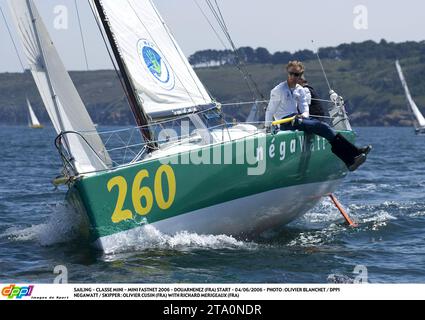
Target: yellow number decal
{"type": "Point", "coordinates": [142, 197]}
{"type": "Point", "coordinates": [142, 192]}
{"type": "Point", "coordinates": [159, 190]}
{"type": "Point", "coordinates": [120, 214]}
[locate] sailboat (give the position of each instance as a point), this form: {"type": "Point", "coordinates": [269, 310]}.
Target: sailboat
{"type": "Point", "coordinates": [191, 171]}
{"type": "Point", "coordinates": [418, 116]}
{"type": "Point", "coordinates": [32, 118]}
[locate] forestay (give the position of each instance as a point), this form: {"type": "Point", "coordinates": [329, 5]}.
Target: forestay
{"type": "Point", "coordinates": [62, 101]}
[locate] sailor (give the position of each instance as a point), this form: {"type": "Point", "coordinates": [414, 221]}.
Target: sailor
{"type": "Point", "coordinates": [289, 99]}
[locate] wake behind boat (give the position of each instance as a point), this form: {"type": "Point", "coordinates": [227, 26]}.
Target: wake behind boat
{"type": "Point", "coordinates": [419, 119]}
{"type": "Point", "coordinates": [184, 168]}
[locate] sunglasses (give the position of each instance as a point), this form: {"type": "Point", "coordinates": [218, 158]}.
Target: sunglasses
{"type": "Point", "coordinates": [295, 74]}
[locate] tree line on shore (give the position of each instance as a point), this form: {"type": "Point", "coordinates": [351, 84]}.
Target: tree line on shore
{"type": "Point", "coordinates": [353, 51]}
{"type": "Point", "coordinates": [364, 73]}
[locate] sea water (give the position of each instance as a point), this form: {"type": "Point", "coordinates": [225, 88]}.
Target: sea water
{"type": "Point", "coordinates": [39, 232]}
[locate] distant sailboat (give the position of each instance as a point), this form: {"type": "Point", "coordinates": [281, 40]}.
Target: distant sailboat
{"type": "Point", "coordinates": [419, 118]}
{"type": "Point", "coordinates": [32, 118]}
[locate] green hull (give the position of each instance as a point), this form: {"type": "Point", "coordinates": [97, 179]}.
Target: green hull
{"type": "Point", "coordinates": [153, 191]}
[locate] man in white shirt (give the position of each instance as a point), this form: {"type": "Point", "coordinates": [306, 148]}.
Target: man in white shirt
{"type": "Point", "coordinates": [289, 99]}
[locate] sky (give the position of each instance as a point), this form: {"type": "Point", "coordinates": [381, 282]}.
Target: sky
{"type": "Point", "coordinates": [278, 25]}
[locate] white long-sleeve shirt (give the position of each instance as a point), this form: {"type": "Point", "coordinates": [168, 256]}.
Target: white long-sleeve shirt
{"type": "Point", "coordinates": [284, 102]}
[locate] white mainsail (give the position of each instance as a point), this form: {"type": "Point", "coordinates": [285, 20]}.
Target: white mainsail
{"type": "Point", "coordinates": [33, 118]}
{"type": "Point", "coordinates": [417, 113]}
{"type": "Point", "coordinates": [61, 99]}
{"type": "Point", "coordinates": [160, 73]}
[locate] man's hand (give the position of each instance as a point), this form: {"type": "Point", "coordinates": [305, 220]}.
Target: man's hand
{"type": "Point", "coordinates": [272, 129]}
{"type": "Point", "coordinates": [297, 120]}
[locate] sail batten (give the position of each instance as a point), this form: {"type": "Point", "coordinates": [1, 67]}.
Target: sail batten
{"type": "Point", "coordinates": [161, 76]}
{"type": "Point", "coordinates": [60, 97]}
{"type": "Point", "coordinates": [414, 108]}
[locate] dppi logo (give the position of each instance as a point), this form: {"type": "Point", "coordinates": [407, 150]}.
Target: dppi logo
{"type": "Point", "coordinates": [13, 291]}
{"type": "Point", "coordinates": [156, 65]}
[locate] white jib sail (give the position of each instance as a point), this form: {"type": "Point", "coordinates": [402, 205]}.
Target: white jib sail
{"type": "Point", "coordinates": [61, 99]}
{"type": "Point", "coordinates": [418, 115]}
{"type": "Point", "coordinates": [162, 76]}
{"type": "Point", "coordinates": [33, 117]}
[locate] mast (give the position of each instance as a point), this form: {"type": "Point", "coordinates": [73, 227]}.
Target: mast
{"type": "Point", "coordinates": [135, 104]}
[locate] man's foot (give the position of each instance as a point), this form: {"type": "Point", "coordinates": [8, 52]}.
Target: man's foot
{"type": "Point", "coordinates": [358, 161]}
{"type": "Point", "coordinates": [366, 149]}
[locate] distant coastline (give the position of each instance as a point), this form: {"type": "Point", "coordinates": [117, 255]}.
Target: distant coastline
{"type": "Point", "coordinates": [364, 73]}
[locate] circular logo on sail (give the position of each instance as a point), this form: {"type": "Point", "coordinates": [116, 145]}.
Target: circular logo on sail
{"type": "Point", "coordinates": [155, 64]}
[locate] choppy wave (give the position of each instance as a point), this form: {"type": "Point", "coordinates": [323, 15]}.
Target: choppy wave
{"type": "Point", "coordinates": [317, 237]}
{"type": "Point", "coordinates": [339, 279]}
{"type": "Point", "coordinates": [148, 238]}
{"type": "Point", "coordinates": [328, 223]}
{"type": "Point", "coordinates": [63, 225]}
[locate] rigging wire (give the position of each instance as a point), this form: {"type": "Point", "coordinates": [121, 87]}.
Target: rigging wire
{"type": "Point", "coordinates": [234, 49]}
{"type": "Point", "coordinates": [251, 83]}
{"type": "Point", "coordinates": [13, 41]}
{"type": "Point", "coordinates": [82, 35]}
{"type": "Point", "coordinates": [211, 25]}
{"type": "Point", "coordinates": [221, 17]}
{"type": "Point", "coordinates": [321, 65]}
